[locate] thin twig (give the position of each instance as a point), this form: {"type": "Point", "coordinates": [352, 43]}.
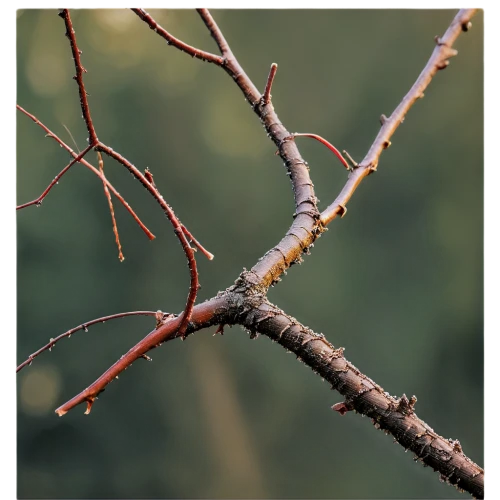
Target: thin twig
{"type": "Point", "coordinates": [111, 209]}
{"type": "Point", "coordinates": [205, 314]}
{"type": "Point", "coordinates": [171, 40]}
{"type": "Point", "coordinates": [76, 52]}
{"type": "Point", "coordinates": [83, 326]}
{"type": "Point", "coordinates": [438, 60]}
{"type": "Point", "coordinates": [266, 96]}
{"type": "Point", "coordinates": [38, 201]}
{"type": "Point", "coordinates": [197, 244]}
{"type": "Point", "coordinates": [330, 146]}
{"type": "Point", "coordinates": [51, 134]}
{"type": "Point", "coordinates": [188, 250]}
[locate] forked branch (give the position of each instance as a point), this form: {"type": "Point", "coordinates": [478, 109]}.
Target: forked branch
{"type": "Point", "coordinates": [245, 302]}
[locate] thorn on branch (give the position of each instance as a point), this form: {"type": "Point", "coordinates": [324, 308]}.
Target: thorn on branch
{"type": "Point", "coordinates": [406, 406]}
{"type": "Point", "coordinates": [383, 119]}
{"type": "Point", "coordinates": [146, 357]}
{"type": "Point", "coordinates": [220, 330]}
{"type": "Point", "coordinates": [343, 210]}
{"type": "Point", "coordinates": [266, 96]}
{"type": "Point", "coordinates": [342, 408]}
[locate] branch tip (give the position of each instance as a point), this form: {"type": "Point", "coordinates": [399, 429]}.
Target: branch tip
{"type": "Point", "coordinates": [266, 96]}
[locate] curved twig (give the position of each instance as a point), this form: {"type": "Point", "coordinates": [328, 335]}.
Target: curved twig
{"type": "Point", "coordinates": [83, 326]}
{"type": "Point", "coordinates": [175, 42]}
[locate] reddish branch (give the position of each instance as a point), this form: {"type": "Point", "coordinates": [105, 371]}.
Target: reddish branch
{"type": "Point", "coordinates": [76, 52]}
{"type": "Point", "coordinates": [153, 190]}
{"type": "Point", "coordinates": [111, 209]}
{"type": "Point", "coordinates": [83, 326]}
{"type": "Point", "coordinates": [330, 146]}
{"type": "Point", "coordinates": [245, 303]}
{"type": "Point", "coordinates": [175, 42]}
{"type": "Point", "coordinates": [266, 96]}
{"type": "Point", "coordinates": [51, 134]}
{"type": "Point", "coordinates": [38, 201]}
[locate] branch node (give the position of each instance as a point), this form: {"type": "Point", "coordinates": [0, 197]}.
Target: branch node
{"type": "Point", "coordinates": [353, 163]}
{"type": "Point", "coordinates": [342, 408]}
{"type": "Point", "coordinates": [466, 26]}
{"type": "Point", "coordinates": [343, 210]}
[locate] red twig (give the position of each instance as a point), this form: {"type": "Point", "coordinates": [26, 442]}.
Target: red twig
{"type": "Point", "coordinates": [171, 40]}
{"type": "Point", "coordinates": [51, 134]}
{"type": "Point", "coordinates": [197, 244]}
{"type": "Point", "coordinates": [83, 326]}
{"type": "Point", "coordinates": [266, 97]}
{"type": "Point", "coordinates": [39, 200]}
{"type": "Point", "coordinates": [330, 146]}
{"type": "Point", "coordinates": [205, 314]}
{"type": "Point", "coordinates": [110, 203]}
{"type": "Point", "coordinates": [188, 250]}
{"type": "Point", "coordinates": [70, 33]}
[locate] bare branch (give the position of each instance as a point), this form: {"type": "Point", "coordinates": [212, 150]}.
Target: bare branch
{"type": "Point", "coordinates": [83, 326]}
{"type": "Point", "coordinates": [330, 146]}
{"type": "Point", "coordinates": [171, 40]}
{"type": "Point", "coordinates": [394, 416]}
{"type": "Point", "coordinates": [188, 250]}
{"type": "Point", "coordinates": [215, 32]}
{"type": "Point", "coordinates": [51, 134]}
{"type": "Point", "coordinates": [438, 60]}
{"type": "Point", "coordinates": [111, 209]}
{"type": "Point", "coordinates": [38, 201]}
{"type": "Point", "coordinates": [266, 96]}
{"type": "Point", "coordinates": [76, 52]}
{"type": "Point", "coordinates": [204, 315]}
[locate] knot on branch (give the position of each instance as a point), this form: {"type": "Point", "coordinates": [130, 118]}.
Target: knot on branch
{"type": "Point", "coordinates": [406, 406]}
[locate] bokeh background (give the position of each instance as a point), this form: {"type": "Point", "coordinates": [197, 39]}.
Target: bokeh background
{"type": "Point", "coordinates": [398, 282]}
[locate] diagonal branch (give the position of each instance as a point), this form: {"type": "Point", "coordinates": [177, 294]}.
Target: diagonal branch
{"type": "Point", "coordinates": [306, 225]}
{"type": "Point", "coordinates": [438, 60]}
{"type": "Point", "coordinates": [175, 42]}
{"type": "Point", "coordinates": [38, 201]}
{"type": "Point", "coordinates": [76, 52]}
{"type": "Point", "coordinates": [208, 313]}
{"type": "Point", "coordinates": [83, 326]}
{"type": "Point", "coordinates": [51, 134]}
{"type": "Point", "coordinates": [392, 415]}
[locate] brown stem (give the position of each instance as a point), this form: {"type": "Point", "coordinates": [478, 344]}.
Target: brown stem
{"type": "Point", "coordinates": [215, 31]}
{"type": "Point", "coordinates": [76, 52]}
{"type": "Point", "coordinates": [393, 415]}
{"type": "Point", "coordinates": [438, 60]}
{"type": "Point", "coordinates": [171, 40]}
{"type": "Point", "coordinates": [266, 96]}
{"type": "Point", "coordinates": [83, 326]}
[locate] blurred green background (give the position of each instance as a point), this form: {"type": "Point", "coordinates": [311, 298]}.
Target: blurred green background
{"type": "Point", "coordinates": [398, 282]}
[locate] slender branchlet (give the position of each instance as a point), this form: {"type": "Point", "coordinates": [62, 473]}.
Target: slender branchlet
{"type": "Point", "coordinates": [266, 96]}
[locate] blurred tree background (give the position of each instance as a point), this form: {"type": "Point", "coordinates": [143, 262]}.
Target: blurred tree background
{"type": "Point", "coordinates": [398, 282]}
